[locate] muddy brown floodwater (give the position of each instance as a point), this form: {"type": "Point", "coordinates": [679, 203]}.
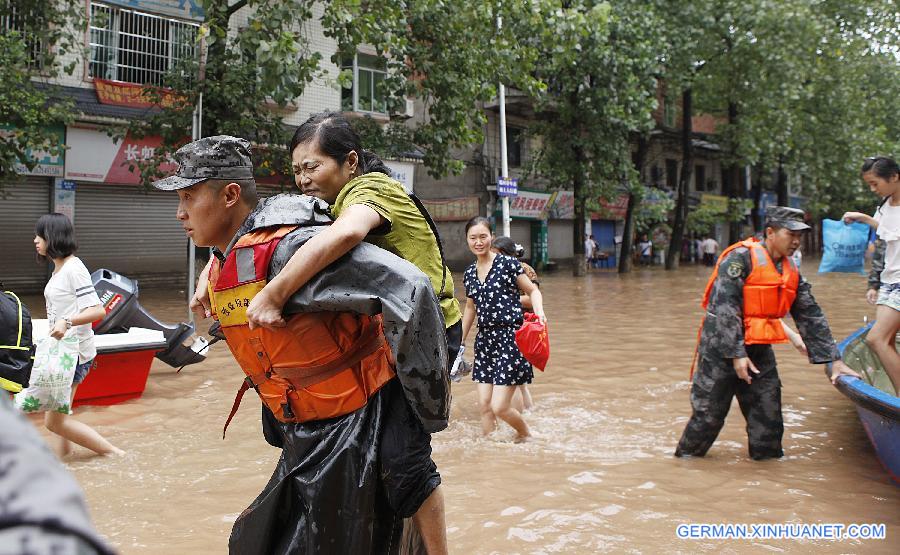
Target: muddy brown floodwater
{"type": "Point", "coordinates": [599, 475]}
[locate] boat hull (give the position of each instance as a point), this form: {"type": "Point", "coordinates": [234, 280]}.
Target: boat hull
{"type": "Point", "coordinates": [878, 411]}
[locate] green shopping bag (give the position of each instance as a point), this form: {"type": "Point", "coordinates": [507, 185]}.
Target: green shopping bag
{"type": "Point", "coordinates": [51, 377]}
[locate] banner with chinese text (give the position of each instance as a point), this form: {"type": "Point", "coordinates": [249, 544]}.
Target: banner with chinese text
{"type": "Point", "coordinates": [117, 93]}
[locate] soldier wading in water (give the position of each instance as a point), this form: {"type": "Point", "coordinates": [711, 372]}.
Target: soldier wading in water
{"type": "Point", "coordinates": [355, 379]}
{"type": "Point", "coordinates": [754, 285]}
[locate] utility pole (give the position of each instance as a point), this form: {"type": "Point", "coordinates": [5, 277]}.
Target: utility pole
{"type": "Point", "coordinates": [504, 163]}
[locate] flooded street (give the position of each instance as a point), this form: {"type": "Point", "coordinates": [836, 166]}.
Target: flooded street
{"type": "Point", "coordinates": [599, 475]}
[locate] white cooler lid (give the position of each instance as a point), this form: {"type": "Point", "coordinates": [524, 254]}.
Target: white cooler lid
{"type": "Point", "coordinates": [135, 337]}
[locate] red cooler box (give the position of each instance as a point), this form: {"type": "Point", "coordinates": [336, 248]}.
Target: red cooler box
{"type": "Point", "coordinates": [121, 367]}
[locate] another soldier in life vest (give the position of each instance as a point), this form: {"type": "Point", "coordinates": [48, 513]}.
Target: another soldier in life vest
{"type": "Point", "coordinates": [754, 285]}
{"type": "Point", "coordinates": [356, 378]}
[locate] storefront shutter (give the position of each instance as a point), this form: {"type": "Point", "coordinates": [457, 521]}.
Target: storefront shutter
{"type": "Point", "coordinates": [21, 204]}
{"type": "Point", "coordinates": [129, 230]}
{"type": "Point", "coordinates": [560, 239]}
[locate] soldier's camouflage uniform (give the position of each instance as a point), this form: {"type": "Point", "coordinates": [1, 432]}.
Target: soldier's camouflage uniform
{"type": "Point", "coordinates": [722, 339]}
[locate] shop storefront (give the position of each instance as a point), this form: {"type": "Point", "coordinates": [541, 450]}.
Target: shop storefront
{"type": "Point", "coordinates": [22, 202]}
{"type": "Point", "coordinates": [607, 227]}
{"type": "Point", "coordinates": [542, 223]}
{"type": "Point", "coordinates": [120, 225]}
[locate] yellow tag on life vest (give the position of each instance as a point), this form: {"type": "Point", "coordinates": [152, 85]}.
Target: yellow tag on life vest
{"type": "Point", "coordinates": [231, 304]}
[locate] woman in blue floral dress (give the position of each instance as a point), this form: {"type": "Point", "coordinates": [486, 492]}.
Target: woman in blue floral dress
{"type": "Point", "coordinates": [493, 284]}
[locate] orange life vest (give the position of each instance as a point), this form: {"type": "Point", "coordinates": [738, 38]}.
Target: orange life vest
{"type": "Point", "coordinates": [321, 365]}
{"type": "Point", "coordinates": [768, 294]}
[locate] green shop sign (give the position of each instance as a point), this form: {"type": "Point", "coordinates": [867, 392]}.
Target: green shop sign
{"type": "Point", "coordinates": [50, 165]}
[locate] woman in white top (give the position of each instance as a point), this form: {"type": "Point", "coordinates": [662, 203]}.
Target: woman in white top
{"type": "Point", "coordinates": [72, 304]}
{"type": "Point", "coordinates": [882, 175]}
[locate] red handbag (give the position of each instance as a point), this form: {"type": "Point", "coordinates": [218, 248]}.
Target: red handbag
{"type": "Point", "coordinates": [534, 341]}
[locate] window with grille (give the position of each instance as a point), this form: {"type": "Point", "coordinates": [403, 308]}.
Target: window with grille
{"type": "Point", "coordinates": [368, 74]}
{"type": "Point", "coordinates": [136, 47]}
{"type": "Point", "coordinates": [16, 18]}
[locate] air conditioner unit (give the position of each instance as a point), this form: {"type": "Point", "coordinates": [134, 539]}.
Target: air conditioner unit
{"type": "Point", "coordinates": [406, 110]}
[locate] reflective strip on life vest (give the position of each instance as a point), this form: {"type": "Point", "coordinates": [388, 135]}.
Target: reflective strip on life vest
{"type": "Point", "coordinates": [246, 269]}
{"type": "Point", "coordinates": [18, 346]}
{"type": "Point", "coordinates": [760, 253]}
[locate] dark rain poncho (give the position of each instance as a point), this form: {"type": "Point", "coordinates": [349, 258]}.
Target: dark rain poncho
{"type": "Point", "coordinates": [42, 508]}
{"type": "Point", "coordinates": [326, 494]}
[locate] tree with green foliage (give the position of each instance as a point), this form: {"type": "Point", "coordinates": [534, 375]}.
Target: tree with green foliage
{"type": "Point", "coordinates": [784, 77]}
{"type": "Point", "coordinates": [248, 78]}
{"type": "Point", "coordinates": [448, 55]}
{"type": "Point", "coordinates": [440, 53]}
{"type": "Point", "coordinates": [848, 106]}
{"type": "Point", "coordinates": [596, 88]}
{"type": "Point", "coordinates": [35, 36]}
{"type": "Point", "coordinates": [743, 61]}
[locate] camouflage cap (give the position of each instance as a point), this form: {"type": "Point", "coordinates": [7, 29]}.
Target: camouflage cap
{"type": "Point", "coordinates": [219, 157]}
{"type": "Point", "coordinates": [788, 218]}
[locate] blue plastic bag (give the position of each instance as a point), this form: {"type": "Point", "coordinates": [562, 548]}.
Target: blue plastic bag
{"type": "Point", "coordinates": [845, 247]}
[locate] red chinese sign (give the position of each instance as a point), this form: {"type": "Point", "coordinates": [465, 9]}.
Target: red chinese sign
{"type": "Point", "coordinates": [118, 93]}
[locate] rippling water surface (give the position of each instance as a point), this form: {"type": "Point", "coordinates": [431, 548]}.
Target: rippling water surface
{"type": "Point", "coordinates": [599, 475]}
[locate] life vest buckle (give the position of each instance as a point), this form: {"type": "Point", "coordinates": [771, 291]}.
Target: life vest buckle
{"type": "Point", "coordinates": [287, 411]}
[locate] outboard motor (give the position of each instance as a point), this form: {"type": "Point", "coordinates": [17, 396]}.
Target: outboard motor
{"type": "Point", "coordinates": [119, 297]}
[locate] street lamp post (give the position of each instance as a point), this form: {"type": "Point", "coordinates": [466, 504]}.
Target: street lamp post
{"type": "Point", "coordinates": [504, 162]}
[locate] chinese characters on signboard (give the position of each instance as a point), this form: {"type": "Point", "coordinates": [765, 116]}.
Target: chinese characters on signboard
{"type": "Point", "coordinates": [64, 198]}
{"type": "Point", "coordinates": [128, 94]}
{"type": "Point", "coordinates": [95, 156]}
{"type": "Point", "coordinates": [530, 205]}
{"type": "Point", "coordinates": [452, 209]}
{"type": "Point", "coordinates": [404, 172]}
{"type": "Point", "coordinates": [46, 164]}
{"type": "Point", "coordinates": [534, 205]}
{"type": "Point", "coordinates": [507, 187]}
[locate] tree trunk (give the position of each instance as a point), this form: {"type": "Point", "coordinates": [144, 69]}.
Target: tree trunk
{"type": "Point", "coordinates": [687, 170]}
{"type": "Point", "coordinates": [782, 187]}
{"type": "Point", "coordinates": [579, 267]}
{"type": "Point", "coordinates": [733, 178]}
{"type": "Point", "coordinates": [625, 261]}
{"type": "Point", "coordinates": [757, 200]}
